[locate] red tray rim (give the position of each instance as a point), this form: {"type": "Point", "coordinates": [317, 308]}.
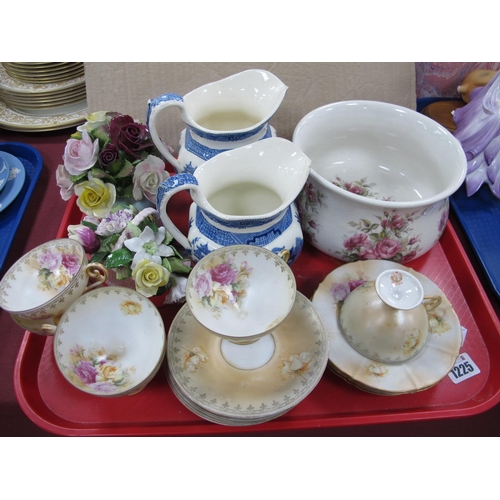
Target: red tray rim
{"type": "Point", "coordinates": [488, 324]}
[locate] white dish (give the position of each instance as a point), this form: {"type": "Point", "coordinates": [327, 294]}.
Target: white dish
{"type": "Point", "coordinates": [426, 369]}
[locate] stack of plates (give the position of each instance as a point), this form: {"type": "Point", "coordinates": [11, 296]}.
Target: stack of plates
{"type": "Point", "coordinates": [208, 385]}
{"type": "Point", "coordinates": [42, 96]}
{"type": "Point", "coordinates": [427, 368]}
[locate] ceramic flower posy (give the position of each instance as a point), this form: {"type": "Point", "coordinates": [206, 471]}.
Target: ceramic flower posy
{"type": "Point", "coordinates": [111, 156]}
{"type": "Point", "coordinates": [135, 245]}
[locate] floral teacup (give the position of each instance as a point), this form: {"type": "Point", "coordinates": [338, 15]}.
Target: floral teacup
{"type": "Point", "coordinates": [110, 343]}
{"type": "Point", "coordinates": [386, 319]}
{"type": "Point", "coordinates": [241, 292]}
{"type": "Point", "coordinates": [42, 284]}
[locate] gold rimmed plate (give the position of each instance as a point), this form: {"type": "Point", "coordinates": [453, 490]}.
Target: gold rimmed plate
{"type": "Point", "coordinates": [426, 369]}
{"type": "Point", "coordinates": [9, 84]}
{"type": "Point", "coordinates": [19, 105]}
{"type": "Point", "coordinates": [13, 120]}
{"type": "Point", "coordinates": [216, 388]}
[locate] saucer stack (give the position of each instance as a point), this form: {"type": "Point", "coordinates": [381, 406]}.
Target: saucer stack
{"type": "Point", "coordinates": [208, 385]}
{"type": "Point", "coordinates": [42, 96]}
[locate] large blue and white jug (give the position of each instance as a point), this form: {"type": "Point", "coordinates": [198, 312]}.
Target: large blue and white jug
{"type": "Point", "coordinates": [223, 115]}
{"type": "Point", "coordinates": [243, 196]}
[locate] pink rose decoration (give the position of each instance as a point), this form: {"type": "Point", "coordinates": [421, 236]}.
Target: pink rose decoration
{"type": "Point", "coordinates": [86, 372]}
{"type": "Point", "coordinates": [203, 285]}
{"type": "Point", "coordinates": [224, 274]}
{"type": "Point", "coordinates": [368, 253]}
{"type": "Point", "coordinates": [387, 248]}
{"type": "Point", "coordinates": [64, 182]}
{"type": "Point", "coordinates": [148, 176]}
{"type": "Point", "coordinates": [340, 291]}
{"type": "Point", "coordinates": [71, 263]}
{"type": "Point", "coordinates": [357, 241]}
{"type": "Point", "coordinates": [50, 260]}
{"type": "Point", "coordinates": [80, 155]}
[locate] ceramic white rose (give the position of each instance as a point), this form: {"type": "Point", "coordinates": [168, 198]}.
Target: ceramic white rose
{"type": "Point", "coordinates": [381, 177]}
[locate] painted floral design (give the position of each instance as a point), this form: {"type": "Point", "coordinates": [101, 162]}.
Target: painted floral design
{"type": "Point", "coordinates": [360, 187]}
{"type": "Point", "coordinates": [56, 269]}
{"type": "Point", "coordinates": [387, 238]}
{"type": "Point", "coordinates": [396, 278]}
{"type": "Point", "coordinates": [94, 369]}
{"type": "Point", "coordinates": [130, 307]}
{"type": "Point", "coordinates": [411, 343]}
{"type": "Point", "coordinates": [296, 365]}
{"type": "Point", "coordinates": [308, 203]}
{"type": "Point", "coordinates": [340, 290]}
{"type": "Point", "coordinates": [194, 359]}
{"type": "Point", "coordinates": [222, 284]}
{"type": "Point", "coordinates": [437, 323]}
{"type": "Point", "coordinates": [377, 370]}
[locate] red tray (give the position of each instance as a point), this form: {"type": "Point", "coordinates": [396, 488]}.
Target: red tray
{"type": "Point", "coordinates": [54, 405]}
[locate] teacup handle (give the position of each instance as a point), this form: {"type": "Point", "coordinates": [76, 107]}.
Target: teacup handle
{"type": "Point", "coordinates": [167, 189]}
{"type": "Point", "coordinates": [155, 106]}
{"type": "Point", "coordinates": [430, 302]}
{"type": "Point", "coordinates": [97, 272]}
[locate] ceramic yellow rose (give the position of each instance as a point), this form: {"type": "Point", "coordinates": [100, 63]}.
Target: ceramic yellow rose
{"type": "Point", "coordinates": [95, 197]}
{"type": "Point", "coordinates": [149, 276]}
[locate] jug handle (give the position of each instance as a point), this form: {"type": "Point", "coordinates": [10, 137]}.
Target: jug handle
{"type": "Point", "coordinates": [154, 107]}
{"type": "Point", "coordinates": [166, 190]}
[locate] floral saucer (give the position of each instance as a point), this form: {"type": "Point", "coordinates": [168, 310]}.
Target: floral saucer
{"type": "Point", "coordinates": [205, 382]}
{"type": "Point", "coordinates": [426, 369]}
{"type": "Point", "coordinates": [110, 342]}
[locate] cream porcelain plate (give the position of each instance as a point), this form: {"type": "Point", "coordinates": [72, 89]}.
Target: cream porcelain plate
{"type": "Point", "coordinates": [220, 392]}
{"type": "Point", "coordinates": [426, 369]}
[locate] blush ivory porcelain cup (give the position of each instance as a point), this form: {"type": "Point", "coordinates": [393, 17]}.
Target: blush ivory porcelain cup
{"type": "Point", "coordinates": [386, 320]}
{"type": "Point", "coordinates": [381, 176]}
{"type": "Point", "coordinates": [42, 284]}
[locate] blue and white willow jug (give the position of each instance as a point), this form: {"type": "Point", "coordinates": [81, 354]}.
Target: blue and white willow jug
{"type": "Point", "coordinates": [222, 115]}
{"type": "Point", "coordinates": [242, 196]}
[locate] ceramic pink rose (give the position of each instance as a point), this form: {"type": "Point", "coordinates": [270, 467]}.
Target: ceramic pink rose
{"type": "Point", "coordinates": [64, 182]}
{"type": "Point", "coordinates": [148, 175]}
{"type": "Point", "coordinates": [80, 155]}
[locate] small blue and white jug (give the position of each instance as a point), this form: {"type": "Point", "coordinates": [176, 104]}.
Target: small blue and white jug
{"type": "Point", "coordinates": [243, 196]}
{"type": "Point", "coordinates": [223, 115]}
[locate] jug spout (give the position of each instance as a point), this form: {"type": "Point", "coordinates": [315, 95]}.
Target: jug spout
{"type": "Point", "coordinates": [245, 195]}
{"type": "Point", "coordinates": [222, 115]}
